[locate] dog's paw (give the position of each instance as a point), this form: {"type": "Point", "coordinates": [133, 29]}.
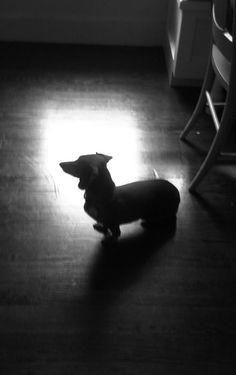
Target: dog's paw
{"type": "Point", "coordinates": [109, 240]}
{"type": "Point", "coordinates": [100, 228]}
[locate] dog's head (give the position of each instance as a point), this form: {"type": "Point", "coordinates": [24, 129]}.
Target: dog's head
{"type": "Point", "coordinates": [87, 168]}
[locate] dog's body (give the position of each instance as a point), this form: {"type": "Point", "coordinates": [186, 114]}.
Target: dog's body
{"type": "Point", "coordinates": [153, 201]}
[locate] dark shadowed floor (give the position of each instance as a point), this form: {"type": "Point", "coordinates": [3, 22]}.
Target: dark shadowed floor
{"type": "Point", "coordinates": [160, 303]}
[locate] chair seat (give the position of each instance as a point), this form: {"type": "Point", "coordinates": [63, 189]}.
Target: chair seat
{"type": "Point", "coordinates": [221, 67]}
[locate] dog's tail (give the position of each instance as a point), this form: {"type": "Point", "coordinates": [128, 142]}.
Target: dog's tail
{"type": "Point", "coordinates": [155, 174]}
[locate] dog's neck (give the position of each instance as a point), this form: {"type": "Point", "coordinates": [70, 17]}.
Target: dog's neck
{"type": "Point", "coordinates": [102, 188]}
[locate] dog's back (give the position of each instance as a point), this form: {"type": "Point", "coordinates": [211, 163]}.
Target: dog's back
{"type": "Point", "coordinates": [152, 200]}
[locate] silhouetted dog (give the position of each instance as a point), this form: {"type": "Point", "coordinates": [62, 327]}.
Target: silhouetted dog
{"type": "Point", "coordinates": [154, 201]}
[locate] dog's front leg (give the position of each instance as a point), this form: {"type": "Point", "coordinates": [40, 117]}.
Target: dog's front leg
{"type": "Point", "coordinates": [115, 231]}
{"type": "Point", "coordinates": [112, 235]}
{"type": "Point", "coordinates": [91, 210]}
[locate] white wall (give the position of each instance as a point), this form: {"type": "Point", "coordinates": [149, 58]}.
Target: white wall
{"type": "Point", "coordinates": [118, 22]}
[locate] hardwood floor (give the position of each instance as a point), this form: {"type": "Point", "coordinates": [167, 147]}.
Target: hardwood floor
{"type": "Point", "coordinates": [154, 304]}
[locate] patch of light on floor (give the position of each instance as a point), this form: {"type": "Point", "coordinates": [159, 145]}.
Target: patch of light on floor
{"type": "Point", "coordinates": [67, 134]}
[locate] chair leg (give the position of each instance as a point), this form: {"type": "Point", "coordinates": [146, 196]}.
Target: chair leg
{"type": "Point", "coordinates": [207, 85]}
{"type": "Point", "coordinates": [213, 153]}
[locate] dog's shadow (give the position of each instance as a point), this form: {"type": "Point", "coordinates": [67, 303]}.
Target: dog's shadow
{"type": "Point", "coordinates": [117, 265]}
{"type": "Point", "coordinates": [113, 270]}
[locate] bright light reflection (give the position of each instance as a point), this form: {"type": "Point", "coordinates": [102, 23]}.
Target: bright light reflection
{"type": "Point", "coordinates": [67, 134]}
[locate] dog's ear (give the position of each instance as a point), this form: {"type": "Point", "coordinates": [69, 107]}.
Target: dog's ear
{"type": "Point", "coordinates": [94, 171]}
{"type": "Point", "coordinates": [106, 158]}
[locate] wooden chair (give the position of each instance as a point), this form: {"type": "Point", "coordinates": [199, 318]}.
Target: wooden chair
{"type": "Point", "coordinates": [221, 67]}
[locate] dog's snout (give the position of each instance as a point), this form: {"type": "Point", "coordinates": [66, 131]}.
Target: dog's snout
{"type": "Point", "coordinates": [63, 166]}
{"type": "Point", "coordinates": [70, 167]}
